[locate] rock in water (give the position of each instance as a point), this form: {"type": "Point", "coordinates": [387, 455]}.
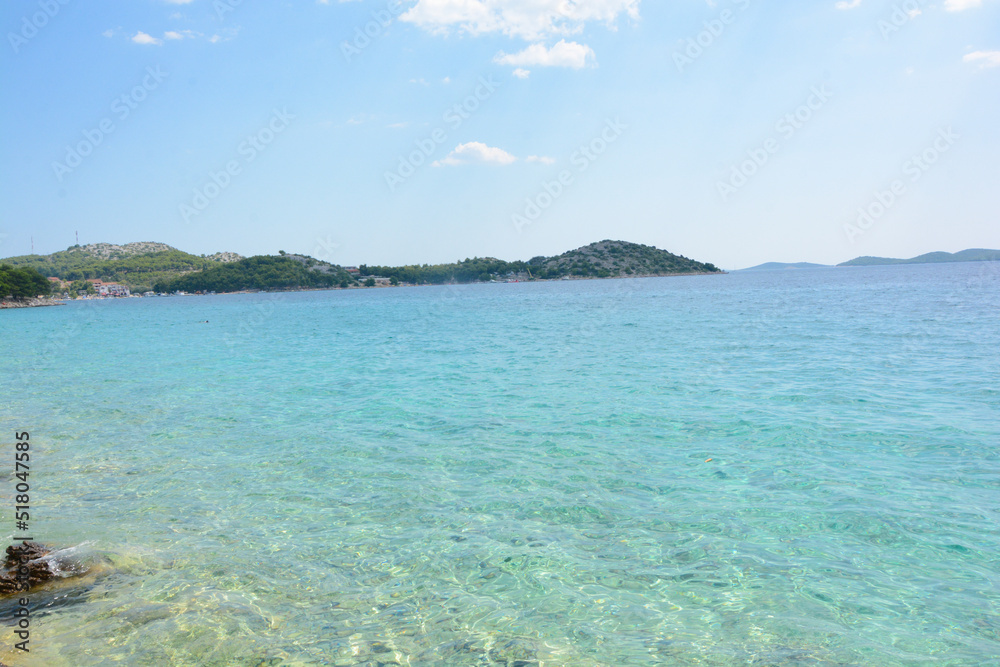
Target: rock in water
{"type": "Point", "coordinates": [31, 555]}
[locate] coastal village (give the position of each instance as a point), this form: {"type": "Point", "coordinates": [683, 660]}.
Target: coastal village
{"type": "Point", "coordinates": [101, 289]}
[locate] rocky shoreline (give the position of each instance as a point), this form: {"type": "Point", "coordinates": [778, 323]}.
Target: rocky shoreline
{"type": "Point", "coordinates": [29, 303]}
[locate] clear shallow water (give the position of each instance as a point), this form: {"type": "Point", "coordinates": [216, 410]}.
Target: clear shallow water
{"type": "Point", "coordinates": [491, 474]}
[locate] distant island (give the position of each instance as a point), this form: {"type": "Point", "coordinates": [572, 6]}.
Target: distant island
{"type": "Point", "coordinates": [971, 255]}
{"type": "Point", "coordinates": [113, 270]}
{"type": "Point", "coordinates": [772, 266]}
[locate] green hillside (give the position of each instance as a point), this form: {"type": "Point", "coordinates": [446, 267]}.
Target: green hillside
{"type": "Point", "coordinates": [263, 272]}
{"type": "Point", "coordinates": [137, 265]}
{"type": "Point", "coordinates": [605, 259]}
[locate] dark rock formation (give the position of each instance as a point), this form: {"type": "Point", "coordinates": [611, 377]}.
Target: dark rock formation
{"type": "Point", "coordinates": [27, 555]}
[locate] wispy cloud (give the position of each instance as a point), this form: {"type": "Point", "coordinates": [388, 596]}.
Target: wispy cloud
{"type": "Point", "coordinates": [984, 58]}
{"type": "Point", "coordinates": [171, 35]}
{"type": "Point", "coordinates": [183, 34]}
{"type": "Point", "coordinates": [959, 5]}
{"type": "Point", "coordinates": [562, 54]}
{"type": "Point", "coordinates": [528, 19]}
{"type": "Point", "coordinates": [847, 4]}
{"type": "Point", "coordinates": [475, 152]}
{"type": "Point", "coordinates": [521, 73]}
{"type": "Point", "coordinates": [540, 159]}
{"type": "Point", "coordinates": [227, 34]}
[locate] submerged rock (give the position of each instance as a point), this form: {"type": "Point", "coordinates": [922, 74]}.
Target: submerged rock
{"type": "Point", "coordinates": [38, 564]}
{"type": "Point", "coordinates": [28, 555]}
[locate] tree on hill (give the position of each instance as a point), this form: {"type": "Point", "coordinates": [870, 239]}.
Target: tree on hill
{"type": "Point", "coordinates": [265, 272]}
{"type": "Point", "coordinates": [23, 282]}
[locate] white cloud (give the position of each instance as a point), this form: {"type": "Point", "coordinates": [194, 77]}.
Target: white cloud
{"type": "Point", "coordinates": [540, 159]}
{"type": "Point", "coordinates": [142, 38]}
{"type": "Point", "coordinates": [562, 54]}
{"type": "Point", "coordinates": [178, 2]}
{"type": "Point", "coordinates": [108, 33]}
{"type": "Point", "coordinates": [959, 5]}
{"type": "Point", "coordinates": [175, 35]}
{"type": "Point", "coordinates": [227, 34]}
{"type": "Point", "coordinates": [398, 126]}
{"type": "Point", "coordinates": [521, 73]}
{"type": "Point", "coordinates": [528, 19]}
{"type": "Point", "coordinates": [847, 4]}
{"type": "Point", "coordinates": [476, 152]}
{"type": "Point", "coordinates": [989, 58]}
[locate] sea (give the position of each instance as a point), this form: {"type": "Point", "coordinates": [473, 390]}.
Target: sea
{"type": "Point", "coordinates": [796, 467]}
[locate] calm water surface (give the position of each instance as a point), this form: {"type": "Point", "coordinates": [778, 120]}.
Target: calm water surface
{"type": "Point", "coordinates": [518, 474]}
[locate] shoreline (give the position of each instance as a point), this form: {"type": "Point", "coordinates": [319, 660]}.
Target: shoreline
{"type": "Point", "coordinates": [36, 303]}
{"type": "Point", "coordinates": [29, 303]}
{"type": "Point", "coordinates": [492, 282]}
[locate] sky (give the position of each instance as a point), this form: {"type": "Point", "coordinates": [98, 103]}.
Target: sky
{"type": "Point", "coordinates": [422, 131]}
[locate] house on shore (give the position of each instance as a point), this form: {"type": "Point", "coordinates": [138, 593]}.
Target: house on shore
{"type": "Point", "coordinates": [109, 289]}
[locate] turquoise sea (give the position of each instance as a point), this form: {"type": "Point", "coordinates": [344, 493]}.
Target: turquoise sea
{"type": "Point", "coordinates": [760, 468]}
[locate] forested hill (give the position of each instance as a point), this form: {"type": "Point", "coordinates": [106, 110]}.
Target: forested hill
{"type": "Point", "coordinates": [263, 272]}
{"type": "Point", "coordinates": [605, 259]}
{"type": "Point", "coordinates": [616, 259]}
{"type": "Point", "coordinates": [136, 265]}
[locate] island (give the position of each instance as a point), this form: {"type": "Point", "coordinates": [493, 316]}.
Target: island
{"type": "Point", "coordinates": [970, 255]}
{"type": "Point", "coordinates": [155, 268]}
{"type": "Point", "coordinates": [775, 266]}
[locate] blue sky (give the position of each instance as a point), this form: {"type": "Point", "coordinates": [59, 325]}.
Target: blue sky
{"type": "Point", "coordinates": [735, 132]}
